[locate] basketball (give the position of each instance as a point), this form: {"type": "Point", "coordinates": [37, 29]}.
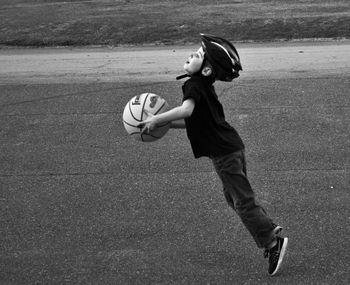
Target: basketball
{"type": "Point", "coordinates": [134, 114]}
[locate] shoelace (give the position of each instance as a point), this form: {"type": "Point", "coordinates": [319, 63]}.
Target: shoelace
{"type": "Point", "coordinates": [272, 252]}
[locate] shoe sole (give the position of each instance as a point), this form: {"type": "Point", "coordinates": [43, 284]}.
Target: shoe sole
{"type": "Point", "coordinates": [281, 257]}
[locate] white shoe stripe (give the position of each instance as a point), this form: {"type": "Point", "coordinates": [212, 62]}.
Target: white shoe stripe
{"type": "Point", "coordinates": [282, 254]}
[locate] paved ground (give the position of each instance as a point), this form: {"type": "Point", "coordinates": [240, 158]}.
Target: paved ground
{"type": "Point", "coordinates": [81, 203]}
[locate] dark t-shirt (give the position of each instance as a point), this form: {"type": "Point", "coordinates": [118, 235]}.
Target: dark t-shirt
{"type": "Point", "coordinates": [209, 133]}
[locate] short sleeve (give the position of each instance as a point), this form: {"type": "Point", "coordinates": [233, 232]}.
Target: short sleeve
{"type": "Point", "coordinates": [191, 90]}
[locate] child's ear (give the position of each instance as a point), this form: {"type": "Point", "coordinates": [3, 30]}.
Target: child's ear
{"type": "Point", "coordinates": [207, 71]}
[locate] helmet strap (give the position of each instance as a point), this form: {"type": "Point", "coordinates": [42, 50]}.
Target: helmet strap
{"type": "Point", "coordinates": [182, 76]}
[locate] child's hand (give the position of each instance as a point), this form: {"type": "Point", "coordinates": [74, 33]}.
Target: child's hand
{"type": "Point", "coordinates": [149, 123]}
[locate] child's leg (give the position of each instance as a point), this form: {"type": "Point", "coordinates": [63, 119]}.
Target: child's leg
{"type": "Point", "coordinates": [240, 196]}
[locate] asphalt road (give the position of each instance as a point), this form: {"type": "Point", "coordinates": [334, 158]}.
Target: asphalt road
{"type": "Point", "coordinates": [82, 203]}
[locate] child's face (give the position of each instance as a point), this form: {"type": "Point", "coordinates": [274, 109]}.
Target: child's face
{"type": "Point", "coordinates": [194, 62]}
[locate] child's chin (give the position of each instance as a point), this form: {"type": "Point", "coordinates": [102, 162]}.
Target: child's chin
{"type": "Point", "coordinates": [187, 71]}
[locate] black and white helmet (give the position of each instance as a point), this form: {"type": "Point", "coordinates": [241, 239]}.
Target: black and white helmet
{"type": "Point", "coordinates": [223, 57]}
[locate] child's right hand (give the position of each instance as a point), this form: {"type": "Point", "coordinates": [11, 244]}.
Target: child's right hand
{"type": "Point", "coordinates": [149, 124]}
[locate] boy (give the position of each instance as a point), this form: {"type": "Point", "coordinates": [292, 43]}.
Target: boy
{"type": "Point", "coordinates": [210, 135]}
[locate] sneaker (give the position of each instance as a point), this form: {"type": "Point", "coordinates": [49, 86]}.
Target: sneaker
{"type": "Point", "coordinates": [277, 229]}
{"type": "Point", "coordinates": [276, 255]}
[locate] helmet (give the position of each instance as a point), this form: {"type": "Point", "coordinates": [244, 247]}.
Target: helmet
{"type": "Point", "coordinates": [223, 56]}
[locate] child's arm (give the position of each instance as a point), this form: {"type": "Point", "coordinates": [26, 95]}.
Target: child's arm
{"type": "Point", "coordinates": [175, 114]}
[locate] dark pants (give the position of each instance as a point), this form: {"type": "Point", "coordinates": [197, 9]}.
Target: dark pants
{"type": "Point", "coordinates": [239, 194]}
